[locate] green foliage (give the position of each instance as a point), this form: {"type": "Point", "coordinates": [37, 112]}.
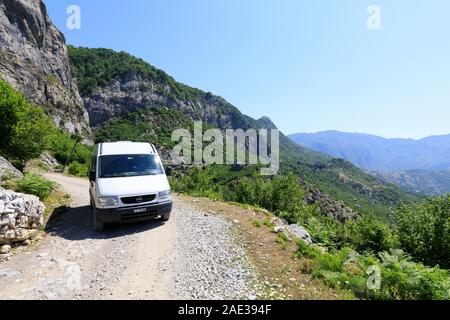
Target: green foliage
{"type": "Point", "coordinates": [26, 132]}
{"type": "Point", "coordinates": [256, 223]}
{"type": "Point", "coordinates": [369, 233]}
{"type": "Point", "coordinates": [197, 183]}
{"type": "Point", "coordinates": [36, 185]}
{"type": "Point", "coordinates": [400, 278]}
{"type": "Point", "coordinates": [277, 194]}
{"type": "Point", "coordinates": [153, 124]}
{"type": "Point", "coordinates": [79, 169]}
{"type": "Point", "coordinates": [24, 128]}
{"type": "Point", "coordinates": [61, 144]}
{"type": "Point", "coordinates": [424, 231]}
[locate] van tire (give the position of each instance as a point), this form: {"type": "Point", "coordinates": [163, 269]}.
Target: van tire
{"type": "Point", "coordinates": [165, 217]}
{"type": "Point", "coordinates": [98, 225]}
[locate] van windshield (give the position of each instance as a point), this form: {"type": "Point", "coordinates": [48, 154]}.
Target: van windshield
{"type": "Point", "coordinates": [116, 166]}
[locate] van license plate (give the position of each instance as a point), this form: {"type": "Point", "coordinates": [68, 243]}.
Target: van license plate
{"type": "Point", "coordinates": [140, 210]}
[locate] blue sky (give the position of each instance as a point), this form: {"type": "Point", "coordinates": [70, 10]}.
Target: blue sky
{"type": "Point", "coordinates": [308, 65]}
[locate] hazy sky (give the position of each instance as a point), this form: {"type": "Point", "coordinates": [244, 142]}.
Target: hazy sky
{"type": "Point", "coordinates": [309, 65]}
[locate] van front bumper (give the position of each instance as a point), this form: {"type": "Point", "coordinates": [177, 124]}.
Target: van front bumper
{"type": "Point", "coordinates": [133, 214]}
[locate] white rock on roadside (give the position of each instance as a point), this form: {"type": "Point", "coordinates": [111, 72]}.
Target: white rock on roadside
{"type": "Point", "coordinates": [6, 168]}
{"type": "Point", "coordinates": [5, 249]}
{"type": "Point", "coordinates": [300, 233]}
{"type": "Point", "coordinates": [21, 215]}
{"type": "Point", "coordinates": [278, 229]}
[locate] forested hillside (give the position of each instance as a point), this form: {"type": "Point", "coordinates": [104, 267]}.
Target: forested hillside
{"type": "Point", "coordinates": [121, 93]}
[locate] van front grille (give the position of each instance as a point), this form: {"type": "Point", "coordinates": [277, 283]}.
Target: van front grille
{"type": "Point", "coordinates": [138, 199]}
{"type": "Point", "coordinates": [132, 216]}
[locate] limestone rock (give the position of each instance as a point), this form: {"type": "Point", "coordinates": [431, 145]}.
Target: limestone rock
{"type": "Point", "coordinates": [5, 249]}
{"type": "Point", "coordinates": [6, 168]}
{"type": "Point", "coordinates": [21, 216]}
{"type": "Point", "coordinates": [300, 233]}
{"type": "Point", "coordinates": [34, 60]}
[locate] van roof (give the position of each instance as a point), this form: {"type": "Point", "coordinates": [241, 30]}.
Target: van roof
{"type": "Point", "coordinates": [126, 147]}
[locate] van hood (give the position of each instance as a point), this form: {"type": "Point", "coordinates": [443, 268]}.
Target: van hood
{"type": "Point", "coordinates": [132, 186]}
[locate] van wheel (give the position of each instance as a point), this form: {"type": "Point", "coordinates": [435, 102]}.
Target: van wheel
{"type": "Point", "coordinates": [98, 225]}
{"type": "Point", "coordinates": [165, 217]}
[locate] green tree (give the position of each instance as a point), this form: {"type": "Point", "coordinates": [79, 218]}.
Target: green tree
{"type": "Point", "coordinates": [371, 234]}
{"type": "Point", "coordinates": [25, 128]}
{"type": "Point", "coordinates": [424, 231]}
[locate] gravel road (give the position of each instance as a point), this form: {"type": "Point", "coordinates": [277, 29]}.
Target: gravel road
{"type": "Point", "coordinates": [192, 256]}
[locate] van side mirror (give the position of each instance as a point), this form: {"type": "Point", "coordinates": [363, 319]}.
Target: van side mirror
{"type": "Point", "coordinates": [92, 175]}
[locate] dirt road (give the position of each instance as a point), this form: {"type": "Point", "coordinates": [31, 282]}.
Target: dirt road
{"type": "Point", "coordinates": [192, 256]}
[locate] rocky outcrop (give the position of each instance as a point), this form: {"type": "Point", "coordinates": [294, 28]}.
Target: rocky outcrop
{"type": "Point", "coordinates": [49, 160]}
{"type": "Point", "coordinates": [21, 216]}
{"type": "Point", "coordinates": [34, 60]}
{"type": "Point", "coordinates": [8, 170]}
{"type": "Point", "coordinates": [328, 205]}
{"type": "Point", "coordinates": [356, 185]}
{"type": "Point", "coordinates": [138, 91]}
{"type": "Point", "coordinates": [291, 230]}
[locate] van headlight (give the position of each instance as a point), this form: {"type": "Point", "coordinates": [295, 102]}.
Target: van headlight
{"type": "Point", "coordinates": [165, 195]}
{"type": "Point", "coordinates": [107, 202]}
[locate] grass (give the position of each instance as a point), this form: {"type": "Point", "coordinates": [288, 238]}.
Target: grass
{"type": "Point", "coordinates": [256, 223]}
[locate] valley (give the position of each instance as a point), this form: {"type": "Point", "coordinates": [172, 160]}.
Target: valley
{"type": "Point", "coordinates": [420, 166]}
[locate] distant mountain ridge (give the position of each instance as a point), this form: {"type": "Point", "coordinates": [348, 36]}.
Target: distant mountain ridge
{"type": "Point", "coordinates": [428, 182]}
{"type": "Point", "coordinates": [375, 153]}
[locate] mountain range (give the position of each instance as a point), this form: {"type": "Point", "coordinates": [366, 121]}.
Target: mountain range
{"type": "Point", "coordinates": [418, 165]}
{"type": "Point", "coordinates": [103, 94]}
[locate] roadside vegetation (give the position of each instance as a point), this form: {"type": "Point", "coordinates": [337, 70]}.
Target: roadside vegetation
{"type": "Point", "coordinates": [27, 132]}
{"type": "Point", "coordinates": [412, 254]}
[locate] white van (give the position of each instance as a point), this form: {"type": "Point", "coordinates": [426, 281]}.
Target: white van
{"type": "Point", "coordinates": [128, 183]}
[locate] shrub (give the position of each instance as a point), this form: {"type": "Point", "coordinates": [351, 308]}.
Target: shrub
{"type": "Point", "coordinates": [400, 278]}
{"type": "Point", "coordinates": [371, 234]}
{"type": "Point", "coordinates": [36, 185]}
{"type": "Point", "coordinates": [78, 169]}
{"type": "Point", "coordinates": [25, 128]}
{"type": "Point", "coordinates": [424, 231]}
{"type": "Point", "coordinates": [61, 144]}
{"type": "Point", "coordinates": [256, 223]}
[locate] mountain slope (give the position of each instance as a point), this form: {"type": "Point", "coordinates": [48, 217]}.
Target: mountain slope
{"type": "Point", "coordinates": [429, 182]}
{"type": "Point", "coordinates": [379, 154]}
{"type": "Point", "coordinates": [34, 60]}
{"type": "Point", "coordinates": [121, 93]}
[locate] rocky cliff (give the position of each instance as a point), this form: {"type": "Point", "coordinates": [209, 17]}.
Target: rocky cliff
{"type": "Point", "coordinates": [34, 60]}
{"type": "Point", "coordinates": [113, 84]}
